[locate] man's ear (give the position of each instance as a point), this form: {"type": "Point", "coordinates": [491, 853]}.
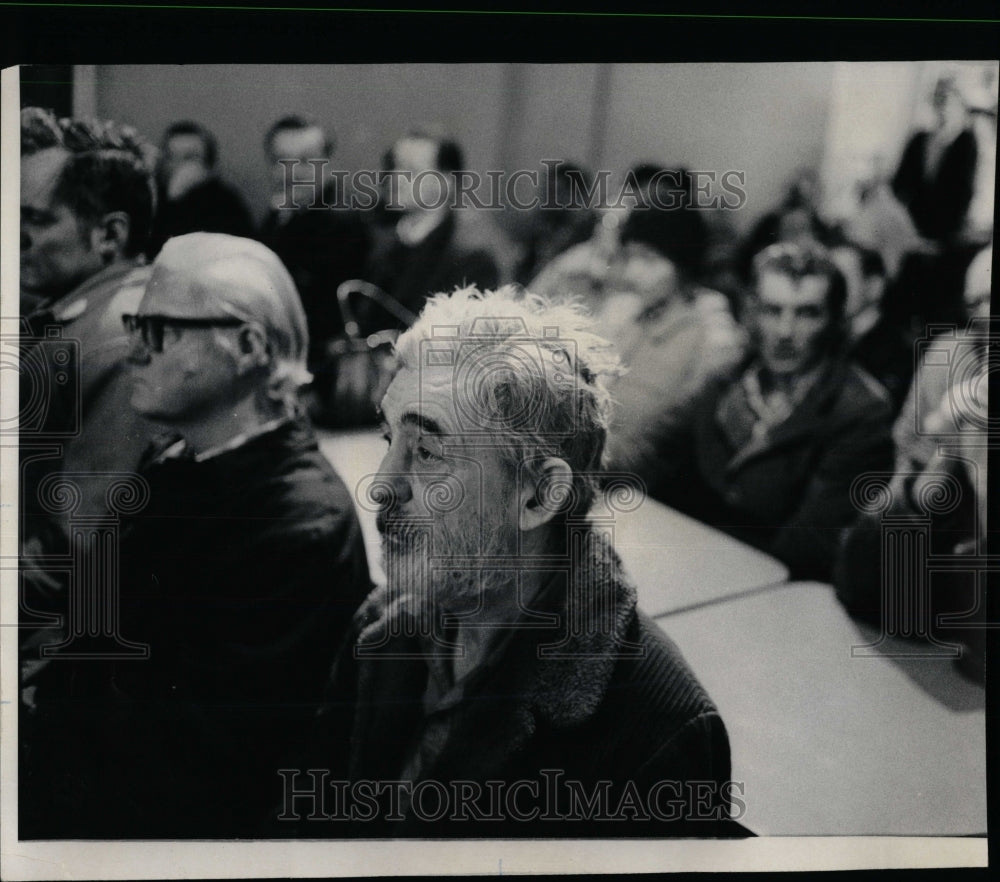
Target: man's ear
{"type": "Point", "coordinates": [253, 350]}
{"type": "Point", "coordinates": [109, 236]}
{"type": "Point", "coordinates": [544, 493]}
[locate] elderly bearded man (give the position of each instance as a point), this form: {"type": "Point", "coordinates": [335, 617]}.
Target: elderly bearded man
{"type": "Point", "coordinates": [504, 675]}
{"type": "Point", "coordinates": [240, 574]}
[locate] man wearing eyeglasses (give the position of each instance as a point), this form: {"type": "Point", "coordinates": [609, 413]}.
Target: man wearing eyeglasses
{"type": "Point", "coordinates": [241, 573]}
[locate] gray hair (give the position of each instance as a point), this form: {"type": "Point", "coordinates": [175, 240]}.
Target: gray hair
{"type": "Point", "coordinates": [531, 374]}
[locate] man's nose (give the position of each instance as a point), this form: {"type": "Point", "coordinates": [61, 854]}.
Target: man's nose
{"type": "Point", "coordinates": [138, 353]}
{"type": "Point", "coordinates": [393, 481]}
{"type": "Point", "coordinates": [786, 324]}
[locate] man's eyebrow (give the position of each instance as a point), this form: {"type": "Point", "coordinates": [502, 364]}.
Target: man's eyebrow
{"type": "Point", "coordinates": [426, 424]}
{"type": "Point", "coordinates": [32, 211]}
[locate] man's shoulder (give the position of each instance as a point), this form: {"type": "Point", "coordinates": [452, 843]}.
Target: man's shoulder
{"type": "Point", "coordinates": [658, 716]}
{"type": "Point", "coordinates": [110, 288]}
{"type": "Point", "coordinates": [93, 312]}
{"type": "Point", "coordinates": [659, 679]}
{"type": "Point", "coordinates": [858, 393]}
{"type": "Point", "coordinates": [286, 479]}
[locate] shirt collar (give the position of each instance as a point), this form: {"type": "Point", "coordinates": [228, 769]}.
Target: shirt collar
{"type": "Point", "coordinates": [241, 439]}
{"type": "Point", "coordinates": [176, 447]}
{"type": "Point", "coordinates": [776, 406]}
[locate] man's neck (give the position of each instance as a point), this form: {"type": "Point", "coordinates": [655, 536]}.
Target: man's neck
{"type": "Point", "coordinates": [240, 422]}
{"type": "Point", "coordinates": [478, 633]}
{"type": "Point", "coordinates": [414, 227]}
{"type": "Point", "coordinates": [790, 384]}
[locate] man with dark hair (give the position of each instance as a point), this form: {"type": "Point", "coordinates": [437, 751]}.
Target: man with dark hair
{"type": "Point", "coordinates": [240, 573]}
{"type": "Point", "coordinates": [86, 205]}
{"type": "Point", "coordinates": [424, 243]}
{"type": "Point", "coordinates": [309, 226]}
{"type": "Point", "coordinates": [506, 650]}
{"type": "Point", "coordinates": [192, 197]}
{"type": "Point", "coordinates": [770, 458]}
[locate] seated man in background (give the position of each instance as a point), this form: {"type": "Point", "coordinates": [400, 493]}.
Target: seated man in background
{"type": "Point", "coordinates": [583, 271]}
{"type": "Point", "coordinates": [943, 359]}
{"type": "Point", "coordinates": [192, 197]}
{"type": "Point", "coordinates": [771, 457]}
{"type": "Point", "coordinates": [320, 240]}
{"type": "Point", "coordinates": [424, 242]}
{"type": "Point", "coordinates": [506, 650]}
{"type": "Point", "coordinates": [794, 220]}
{"type": "Point", "coordinates": [86, 205]}
{"type": "Point", "coordinates": [941, 451]}
{"type": "Point", "coordinates": [240, 574]}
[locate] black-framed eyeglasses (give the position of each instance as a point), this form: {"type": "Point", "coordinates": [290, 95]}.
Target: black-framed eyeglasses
{"type": "Point", "coordinates": [150, 327]}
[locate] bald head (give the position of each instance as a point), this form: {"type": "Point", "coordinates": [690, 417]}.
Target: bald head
{"type": "Point", "coordinates": [214, 276]}
{"type": "Point", "coordinates": [221, 320]}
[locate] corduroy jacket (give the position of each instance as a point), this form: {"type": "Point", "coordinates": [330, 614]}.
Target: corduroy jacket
{"type": "Point", "coordinates": [600, 730]}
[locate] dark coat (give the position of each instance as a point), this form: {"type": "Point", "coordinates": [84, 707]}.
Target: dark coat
{"type": "Point", "coordinates": [241, 575]}
{"type": "Point", "coordinates": [617, 705]}
{"type": "Point", "coordinates": [320, 247]}
{"type": "Point", "coordinates": [938, 204]}
{"type": "Point", "coordinates": [789, 494]}
{"type": "Point", "coordinates": [454, 254]}
{"type": "Point", "coordinates": [212, 206]}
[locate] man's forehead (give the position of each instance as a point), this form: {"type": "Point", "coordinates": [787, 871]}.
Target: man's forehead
{"type": "Point", "coordinates": [40, 174]}
{"type": "Point", "coordinates": [775, 287]}
{"type": "Point", "coordinates": [427, 394]}
{"type": "Point", "coordinates": [415, 153]}
{"type": "Point", "coordinates": [299, 143]}
{"type": "Point", "coordinates": [185, 144]}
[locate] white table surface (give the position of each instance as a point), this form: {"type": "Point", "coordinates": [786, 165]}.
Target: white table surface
{"type": "Point", "coordinates": [827, 743]}
{"type": "Point", "coordinates": [675, 561]}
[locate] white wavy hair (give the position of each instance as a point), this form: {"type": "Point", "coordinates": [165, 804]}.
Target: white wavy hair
{"type": "Point", "coordinates": [534, 372]}
{"type": "Point", "coordinates": [245, 279]}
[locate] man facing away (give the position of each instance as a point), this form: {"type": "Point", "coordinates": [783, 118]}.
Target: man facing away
{"type": "Point", "coordinates": [240, 574]}
{"type": "Point", "coordinates": [505, 664]}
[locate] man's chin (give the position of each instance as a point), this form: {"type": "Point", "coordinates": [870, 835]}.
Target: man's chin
{"type": "Point", "coordinates": [786, 366]}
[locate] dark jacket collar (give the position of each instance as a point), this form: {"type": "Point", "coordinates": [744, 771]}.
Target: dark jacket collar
{"type": "Point", "coordinates": [258, 451]}
{"type": "Point", "coordinates": [806, 420]}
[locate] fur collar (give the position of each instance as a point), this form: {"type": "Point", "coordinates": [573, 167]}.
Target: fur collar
{"type": "Point", "coordinates": [560, 674]}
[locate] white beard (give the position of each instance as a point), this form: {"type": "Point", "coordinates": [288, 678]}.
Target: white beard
{"type": "Point", "coordinates": [407, 561]}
